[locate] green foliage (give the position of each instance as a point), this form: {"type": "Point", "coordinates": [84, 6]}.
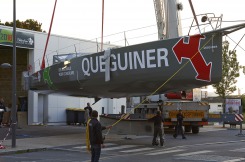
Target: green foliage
{"type": "Point", "coordinates": [243, 103]}
{"type": "Point", "coordinates": [230, 71]}
{"type": "Point", "coordinates": [29, 24]}
{"type": "Point", "coordinates": [1, 23]}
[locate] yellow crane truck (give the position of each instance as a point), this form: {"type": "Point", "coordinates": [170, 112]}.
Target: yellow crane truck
{"type": "Point", "coordinates": [195, 113]}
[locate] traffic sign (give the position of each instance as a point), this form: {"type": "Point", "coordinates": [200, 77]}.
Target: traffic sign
{"type": "Point", "coordinates": [238, 117]}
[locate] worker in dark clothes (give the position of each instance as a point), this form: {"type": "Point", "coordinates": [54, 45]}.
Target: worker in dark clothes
{"type": "Point", "coordinates": [88, 107]}
{"type": "Point", "coordinates": [95, 136]}
{"type": "Point", "coordinates": [179, 125]}
{"type": "Point", "coordinates": [158, 126]}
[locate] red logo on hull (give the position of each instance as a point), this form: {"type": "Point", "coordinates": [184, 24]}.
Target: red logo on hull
{"type": "Point", "coordinates": [191, 51]}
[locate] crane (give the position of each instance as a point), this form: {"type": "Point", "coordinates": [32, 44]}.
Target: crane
{"type": "Point", "coordinates": [168, 18]}
{"type": "Point", "coordinates": [158, 4]}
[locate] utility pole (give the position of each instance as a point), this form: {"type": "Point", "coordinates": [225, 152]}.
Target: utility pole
{"type": "Point", "coordinates": [14, 110]}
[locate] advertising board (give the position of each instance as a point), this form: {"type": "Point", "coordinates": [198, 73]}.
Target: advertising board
{"type": "Point", "coordinates": [232, 106]}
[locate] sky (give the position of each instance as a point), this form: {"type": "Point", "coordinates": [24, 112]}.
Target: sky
{"type": "Point", "coordinates": [133, 19]}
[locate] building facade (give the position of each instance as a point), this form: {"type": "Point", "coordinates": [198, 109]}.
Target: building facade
{"type": "Point", "coordinates": [48, 108]}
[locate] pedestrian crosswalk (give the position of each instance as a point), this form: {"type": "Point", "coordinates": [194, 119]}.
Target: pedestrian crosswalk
{"type": "Point", "coordinates": [175, 152]}
{"type": "Point", "coordinates": [239, 150]}
{"type": "Point", "coordinates": [119, 147]}
{"type": "Point", "coordinates": [84, 146]}
{"type": "Point", "coordinates": [138, 150]}
{"type": "Point", "coordinates": [165, 152]}
{"type": "Point", "coordinates": [194, 153]}
{"type": "Point", "coordinates": [206, 129]}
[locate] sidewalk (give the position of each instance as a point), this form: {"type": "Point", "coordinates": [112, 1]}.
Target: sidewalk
{"type": "Point", "coordinates": [36, 138]}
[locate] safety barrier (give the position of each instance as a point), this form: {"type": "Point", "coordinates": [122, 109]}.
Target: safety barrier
{"type": "Point", "coordinates": [226, 118]}
{"type": "Point", "coordinates": [7, 134]}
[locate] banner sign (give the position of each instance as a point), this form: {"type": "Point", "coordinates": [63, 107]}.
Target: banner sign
{"type": "Point", "coordinates": [23, 40]}
{"type": "Point", "coordinates": [232, 106]}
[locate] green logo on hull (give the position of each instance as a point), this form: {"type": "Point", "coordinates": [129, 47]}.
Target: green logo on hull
{"type": "Point", "coordinates": [46, 78]}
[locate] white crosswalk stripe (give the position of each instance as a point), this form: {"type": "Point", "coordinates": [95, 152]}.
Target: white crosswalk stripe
{"type": "Point", "coordinates": [210, 157]}
{"type": "Point", "coordinates": [138, 150]}
{"type": "Point", "coordinates": [176, 153]}
{"type": "Point", "coordinates": [119, 147]}
{"type": "Point", "coordinates": [238, 150]}
{"type": "Point", "coordinates": [84, 147]}
{"type": "Point", "coordinates": [194, 153]}
{"type": "Point", "coordinates": [165, 152]}
{"type": "Point", "coordinates": [211, 130]}
{"type": "Point", "coordinates": [235, 160]}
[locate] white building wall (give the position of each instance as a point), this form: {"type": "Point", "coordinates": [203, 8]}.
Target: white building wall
{"type": "Point", "coordinates": [41, 104]}
{"type": "Point", "coordinates": [215, 108]}
{"type": "Point", "coordinates": [117, 105]}
{"type": "Point", "coordinates": [50, 109]}
{"type": "Point", "coordinates": [32, 107]}
{"type": "Point", "coordinates": [59, 45]}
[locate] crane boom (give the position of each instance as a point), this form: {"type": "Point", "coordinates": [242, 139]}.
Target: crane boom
{"type": "Point", "coordinates": [159, 11]}
{"type": "Point", "coordinates": [168, 18]}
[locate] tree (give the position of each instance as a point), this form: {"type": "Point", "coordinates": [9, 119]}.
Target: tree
{"type": "Point", "coordinates": [29, 24]}
{"type": "Point", "coordinates": [243, 102]}
{"type": "Point", "coordinates": [230, 72]}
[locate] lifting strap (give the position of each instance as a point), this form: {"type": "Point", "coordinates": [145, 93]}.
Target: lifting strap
{"type": "Point", "coordinates": [50, 27]}
{"type": "Point", "coordinates": [87, 137]}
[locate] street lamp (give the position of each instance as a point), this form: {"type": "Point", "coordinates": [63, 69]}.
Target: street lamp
{"type": "Point", "coordinates": [5, 65]}
{"type": "Point", "coordinates": [14, 110]}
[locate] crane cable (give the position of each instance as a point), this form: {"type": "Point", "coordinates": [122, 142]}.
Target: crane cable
{"type": "Point", "coordinates": [237, 44]}
{"type": "Point", "coordinates": [102, 26]}
{"type": "Point", "coordinates": [194, 14]}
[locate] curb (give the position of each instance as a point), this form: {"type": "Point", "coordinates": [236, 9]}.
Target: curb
{"type": "Point", "coordinates": [22, 151]}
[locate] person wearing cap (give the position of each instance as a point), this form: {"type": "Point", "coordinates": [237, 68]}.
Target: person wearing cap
{"type": "Point", "coordinates": [179, 125]}
{"type": "Point", "coordinates": [94, 136]}
{"type": "Point", "coordinates": [158, 125]}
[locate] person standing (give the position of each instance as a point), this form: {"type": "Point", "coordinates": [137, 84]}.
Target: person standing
{"type": "Point", "coordinates": [2, 109]}
{"type": "Point", "coordinates": [94, 139]}
{"type": "Point", "coordinates": [86, 117]}
{"type": "Point", "coordinates": [179, 125]}
{"type": "Point", "coordinates": [88, 107]}
{"type": "Point", "coordinates": [158, 126]}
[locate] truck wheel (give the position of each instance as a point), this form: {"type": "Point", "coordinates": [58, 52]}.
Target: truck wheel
{"type": "Point", "coordinates": [187, 128]}
{"type": "Point", "coordinates": [195, 130]}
